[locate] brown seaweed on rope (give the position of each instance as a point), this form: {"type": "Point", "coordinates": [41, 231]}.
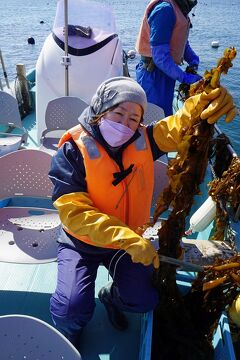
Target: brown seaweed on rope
{"type": "Point", "coordinates": [175, 333]}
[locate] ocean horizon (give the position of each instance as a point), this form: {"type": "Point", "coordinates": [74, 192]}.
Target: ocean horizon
{"type": "Point", "coordinates": [212, 20]}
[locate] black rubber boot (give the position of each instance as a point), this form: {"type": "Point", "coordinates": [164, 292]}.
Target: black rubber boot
{"type": "Point", "coordinates": [74, 338]}
{"type": "Point", "coordinates": [116, 316]}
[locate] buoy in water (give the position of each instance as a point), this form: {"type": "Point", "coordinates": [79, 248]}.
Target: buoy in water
{"type": "Point", "coordinates": [31, 40]}
{"type": "Point", "coordinates": [41, 22]}
{"type": "Point", "coordinates": [215, 44]}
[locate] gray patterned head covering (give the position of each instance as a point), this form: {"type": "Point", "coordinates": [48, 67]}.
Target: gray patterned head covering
{"type": "Point", "coordinates": [115, 91]}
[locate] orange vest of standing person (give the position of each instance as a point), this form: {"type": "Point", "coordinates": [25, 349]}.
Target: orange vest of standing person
{"type": "Point", "coordinates": [179, 35]}
{"type": "Point", "coordinates": [130, 200]}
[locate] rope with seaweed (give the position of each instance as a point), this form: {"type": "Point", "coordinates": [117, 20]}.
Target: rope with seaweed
{"type": "Point", "coordinates": [225, 191]}
{"type": "Point", "coordinates": [186, 172]}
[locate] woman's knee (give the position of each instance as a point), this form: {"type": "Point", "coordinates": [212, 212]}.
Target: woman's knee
{"type": "Point", "coordinates": [73, 307]}
{"type": "Point", "coordinates": [145, 302]}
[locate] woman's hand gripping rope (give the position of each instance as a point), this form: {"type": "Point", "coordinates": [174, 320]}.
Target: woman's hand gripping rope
{"type": "Point", "coordinates": [210, 106]}
{"type": "Point", "coordinates": [142, 251]}
{"type": "Point", "coordinates": [221, 104]}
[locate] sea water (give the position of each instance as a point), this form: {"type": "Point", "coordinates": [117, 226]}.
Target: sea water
{"type": "Point", "coordinates": [212, 20]}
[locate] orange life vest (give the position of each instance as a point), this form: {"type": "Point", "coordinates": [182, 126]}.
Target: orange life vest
{"type": "Point", "coordinates": [130, 200]}
{"type": "Point", "coordinates": [179, 35]}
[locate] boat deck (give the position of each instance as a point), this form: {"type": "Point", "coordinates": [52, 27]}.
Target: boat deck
{"type": "Point", "coordinates": [26, 289]}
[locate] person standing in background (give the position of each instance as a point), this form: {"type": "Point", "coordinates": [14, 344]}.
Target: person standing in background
{"type": "Point", "coordinates": [163, 44]}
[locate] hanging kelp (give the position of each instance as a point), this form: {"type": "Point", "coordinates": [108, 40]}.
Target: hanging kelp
{"type": "Point", "coordinates": [175, 334]}
{"type": "Point", "coordinates": [225, 191]}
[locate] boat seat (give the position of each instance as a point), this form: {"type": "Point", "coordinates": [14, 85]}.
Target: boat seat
{"type": "Point", "coordinates": [26, 337]}
{"type": "Point", "coordinates": [161, 179]}
{"type": "Point", "coordinates": [61, 114]}
{"type": "Point", "coordinates": [12, 134]}
{"type": "Point", "coordinates": [29, 225]}
{"type": "Point", "coordinates": [153, 113]}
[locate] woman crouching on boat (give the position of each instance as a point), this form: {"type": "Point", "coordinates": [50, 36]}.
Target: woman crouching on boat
{"type": "Point", "coordinates": [103, 178]}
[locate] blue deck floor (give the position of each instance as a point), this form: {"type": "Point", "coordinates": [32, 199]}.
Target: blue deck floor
{"type": "Point", "coordinates": [26, 289]}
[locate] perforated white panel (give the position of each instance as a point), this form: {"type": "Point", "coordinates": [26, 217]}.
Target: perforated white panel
{"type": "Point", "coordinates": [26, 337]}
{"type": "Point", "coordinates": [25, 172]}
{"type": "Point", "coordinates": [28, 235]}
{"type": "Point", "coordinates": [153, 114]}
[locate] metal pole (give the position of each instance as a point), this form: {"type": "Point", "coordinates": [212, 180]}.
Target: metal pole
{"type": "Point", "coordinates": [66, 47]}
{"type": "Point", "coordinates": [4, 70]}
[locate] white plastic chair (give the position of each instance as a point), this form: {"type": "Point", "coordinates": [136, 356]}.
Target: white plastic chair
{"type": "Point", "coordinates": [161, 179]}
{"type": "Point", "coordinates": [12, 133]}
{"type": "Point", "coordinates": [29, 226]}
{"type": "Point", "coordinates": [26, 337]}
{"type": "Point", "coordinates": [153, 113]}
{"type": "Point", "coordinates": [61, 114]}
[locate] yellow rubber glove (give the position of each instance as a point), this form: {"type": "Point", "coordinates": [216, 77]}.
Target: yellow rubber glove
{"type": "Point", "coordinates": [78, 215]}
{"type": "Point", "coordinates": [210, 106]}
{"type": "Point", "coordinates": [143, 252]}
{"type": "Point", "coordinates": [220, 106]}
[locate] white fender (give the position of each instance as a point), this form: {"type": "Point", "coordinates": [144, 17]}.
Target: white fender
{"type": "Point", "coordinates": [203, 216]}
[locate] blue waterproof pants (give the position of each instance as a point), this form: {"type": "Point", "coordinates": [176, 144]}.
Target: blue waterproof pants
{"type": "Point", "coordinates": [72, 305]}
{"type": "Point", "coordinates": [159, 87]}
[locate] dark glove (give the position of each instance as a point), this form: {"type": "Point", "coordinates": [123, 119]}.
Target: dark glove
{"type": "Point", "coordinates": [190, 78]}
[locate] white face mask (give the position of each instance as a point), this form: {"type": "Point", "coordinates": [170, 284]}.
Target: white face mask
{"type": "Point", "coordinates": [115, 134]}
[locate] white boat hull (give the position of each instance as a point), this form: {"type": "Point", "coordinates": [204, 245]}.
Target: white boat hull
{"type": "Point", "coordinates": [86, 73]}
